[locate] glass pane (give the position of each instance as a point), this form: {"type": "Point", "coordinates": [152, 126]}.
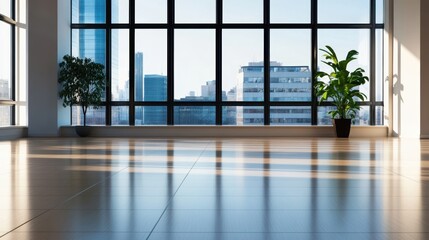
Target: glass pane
{"type": "Point", "coordinates": [362, 118]}
{"type": "Point", "coordinates": [194, 65]}
{"type": "Point", "coordinates": [90, 43]}
{"type": "Point", "coordinates": [155, 88]}
{"type": "Point", "coordinates": [379, 11]}
{"type": "Point", "coordinates": [5, 8]}
{"type": "Point", "coordinates": [243, 11]}
{"type": "Point", "coordinates": [150, 11]}
{"type": "Point", "coordinates": [229, 115]}
{"type": "Point", "coordinates": [150, 65]}
{"type": "Point", "coordinates": [93, 116]}
{"type": "Point", "coordinates": [195, 11]}
{"type": "Point", "coordinates": [342, 41]}
{"type": "Point", "coordinates": [379, 65]}
{"type": "Point", "coordinates": [343, 11]}
{"type": "Point", "coordinates": [379, 115]}
{"type": "Point", "coordinates": [5, 115]}
{"type": "Point", "coordinates": [290, 115]}
{"type": "Point", "coordinates": [21, 78]}
{"type": "Point", "coordinates": [120, 10]}
{"type": "Point", "coordinates": [194, 115]}
{"type": "Point", "coordinates": [151, 115]}
{"type": "Point", "coordinates": [323, 117]}
{"type": "Point", "coordinates": [290, 73]}
{"type": "Point", "coordinates": [88, 11]}
{"type": "Point", "coordinates": [21, 11]}
{"type": "Point", "coordinates": [290, 11]}
{"type": "Point", "coordinates": [120, 65]}
{"type": "Point", "coordinates": [5, 62]}
{"type": "Point", "coordinates": [242, 65]}
{"type": "Point", "coordinates": [120, 115]}
{"type": "Point", "coordinates": [242, 115]}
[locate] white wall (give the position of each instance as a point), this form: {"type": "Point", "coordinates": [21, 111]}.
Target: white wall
{"type": "Point", "coordinates": [48, 41]}
{"type": "Point", "coordinates": [424, 84]}
{"type": "Point", "coordinates": [42, 68]}
{"type": "Point", "coordinates": [406, 68]}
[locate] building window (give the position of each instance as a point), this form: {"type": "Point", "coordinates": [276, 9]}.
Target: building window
{"type": "Point", "coordinates": [224, 62]}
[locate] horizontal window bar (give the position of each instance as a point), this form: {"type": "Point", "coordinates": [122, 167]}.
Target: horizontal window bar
{"type": "Point", "coordinates": [7, 102]}
{"type": "Point", "coordinates": [3, 18]}
{"type": "Point", "coordinates": [226, 25]}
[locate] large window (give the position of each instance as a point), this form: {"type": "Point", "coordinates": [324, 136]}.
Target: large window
{"type": "Point", "coordinates": [224, 62]}
{"type": "Point", "coordinates": [7, 63]}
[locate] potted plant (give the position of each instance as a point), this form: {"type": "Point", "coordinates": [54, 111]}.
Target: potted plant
{"type": "Point", "coordinates": [83, 84]}
{"type": "Point", "coordinates": [341, 88]}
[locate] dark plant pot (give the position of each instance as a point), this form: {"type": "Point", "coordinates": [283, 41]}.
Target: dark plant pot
{"type": "Point", "coordinates": [342, 127]}
{"type": "Point", "coordinates": [83, 131]}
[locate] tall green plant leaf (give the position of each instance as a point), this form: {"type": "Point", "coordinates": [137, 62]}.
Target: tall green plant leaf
{"type": "Point", "coordinates": [342, 85]}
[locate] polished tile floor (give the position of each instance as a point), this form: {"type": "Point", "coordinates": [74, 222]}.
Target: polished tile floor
{"type": "Point", "coordinates": [294, 188]}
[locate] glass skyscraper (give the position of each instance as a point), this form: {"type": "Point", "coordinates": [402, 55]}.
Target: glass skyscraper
{"type": "Point", "coordinates": [138, 76]}
{"type": "Point", "coordinates": [154, 89]}
{"type": "Point", "coordinates": [89, 43]}
{"type": "Point", "coordinates": [287, 83]}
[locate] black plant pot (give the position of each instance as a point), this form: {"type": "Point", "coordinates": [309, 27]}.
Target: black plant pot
{"type": "Point", "coordinates": [342, 127]}
{"type": "Point", "coordinates": [83, 131]}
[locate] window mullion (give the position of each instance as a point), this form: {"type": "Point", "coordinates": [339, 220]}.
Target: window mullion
{"type": "Point", "coordinates": [108, 60]}
{"type": "Point", "coordinates": [170, 62]}
{"type": "Point", "coordinates": [372, 77]}
{"type": "Point", "coordinates": [219, 106]}
{"type": "Point", "coordinates": [267, 62]}
{"type": "Point", "coordinates": [131, 94]}
{"type": "Point", "coordinates": [314, 60]}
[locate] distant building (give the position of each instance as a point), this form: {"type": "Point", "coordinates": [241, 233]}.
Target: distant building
{"type": "Point", "coordinates": [4, 89]}
{"type": "Point", "coordinates": [138, 76]}
{"type": "Point", "coordinates": [208, 91]}
{"type": "Point", "coordinates": [154, 89]}
{"type": "Point", "coordinates": [287, 83]}
{"type": "Point", "coordinates": [4, 110]}
{"type": "Point", "coordinates": [195, 115]}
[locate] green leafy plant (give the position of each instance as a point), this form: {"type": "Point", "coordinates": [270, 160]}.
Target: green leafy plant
{"type": "Point", "coordinates": [342, 85]}
{"type": "Point", "coordinates": [82, 83]}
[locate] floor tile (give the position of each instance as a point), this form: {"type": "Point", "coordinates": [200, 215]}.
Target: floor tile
{"type": "Point", "coordinates": [283, 236]}
{"type": "Point", "coordinates": [292, 221]}
{"type": "Point", "coordinates": [74, 236]}
{"type": "Point", "coordinates": [93, 220]}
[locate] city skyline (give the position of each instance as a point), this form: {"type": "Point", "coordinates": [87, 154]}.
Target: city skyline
{"type": "Point", "coordinates": [139, 76]}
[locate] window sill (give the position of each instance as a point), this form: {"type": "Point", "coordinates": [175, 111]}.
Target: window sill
{"type": "Point", "coordinates": [225, 131]}
{"type": "Point", "coordinates": [13, 132]}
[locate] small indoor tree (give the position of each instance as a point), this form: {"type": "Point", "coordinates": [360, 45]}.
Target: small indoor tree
{"type": "Point", "coordinates": [342, 87]}
{"type": "Point", "coordinates": [82, 83]}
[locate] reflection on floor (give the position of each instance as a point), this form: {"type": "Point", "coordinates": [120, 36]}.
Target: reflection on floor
{"type": "Point", "coordinates": [296, 188]}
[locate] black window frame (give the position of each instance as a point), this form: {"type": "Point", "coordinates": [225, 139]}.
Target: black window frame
{"type": "Point", "coordinates": [218, 26]}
